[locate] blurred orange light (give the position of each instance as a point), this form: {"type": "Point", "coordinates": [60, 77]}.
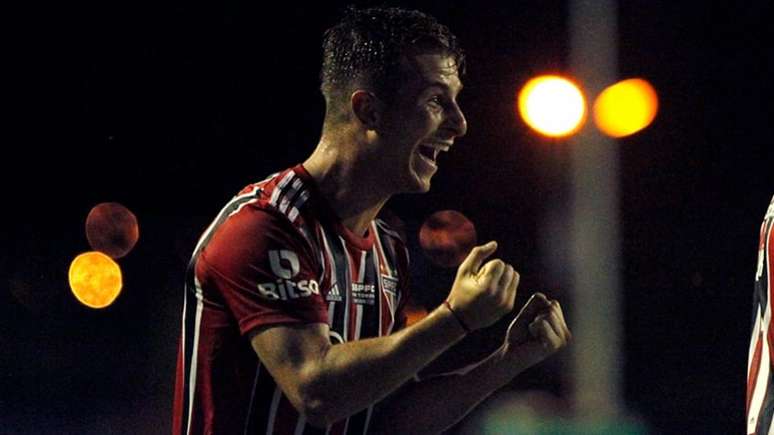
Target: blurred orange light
{"type": "Point", "coordinates": [625, 107]}
{"type": "Point", "coordinates": [552, 105]}
{"type": "Point", "coordinates": [95, 279]}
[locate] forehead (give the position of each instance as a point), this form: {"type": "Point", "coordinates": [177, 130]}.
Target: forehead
{"type": "Point", "coordinates": [426, 70]}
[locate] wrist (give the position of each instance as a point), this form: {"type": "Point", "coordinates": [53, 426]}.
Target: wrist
{"type": "Point", "coordinates": [515, 356]}
{"type": "Point", "coordinates": [457, 317]}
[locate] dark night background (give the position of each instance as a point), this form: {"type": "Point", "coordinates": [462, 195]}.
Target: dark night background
{"type": "Point", "coordinates": [171, 107]}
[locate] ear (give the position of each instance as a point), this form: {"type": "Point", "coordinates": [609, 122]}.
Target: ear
{"type": "Point", "coordinates": [367, 108]}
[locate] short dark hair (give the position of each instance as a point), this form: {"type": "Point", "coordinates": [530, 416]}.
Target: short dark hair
{"type": "Point", "coordinates": [366, 46]}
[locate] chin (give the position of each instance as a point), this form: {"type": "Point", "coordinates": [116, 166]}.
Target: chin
{"type": "Point", "coordinates": [419, 185]}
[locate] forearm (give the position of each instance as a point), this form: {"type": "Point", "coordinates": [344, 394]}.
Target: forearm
{"type": "Point", "coordinates": [416, 409]}
{"type": "Point", "coordinates": [351, 376]}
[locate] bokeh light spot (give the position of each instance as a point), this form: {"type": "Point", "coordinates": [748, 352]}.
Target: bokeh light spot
{"type": "Point", "coordinates": [111, 228]}
{"type": "Point", "coordinates": [625, 107]}
{"type": "Point", "coordinates": [95, 279]}
{"type": "Point", "coordinates": [552, 105]}
{"type": "Point", "coordinates": [446, 237]}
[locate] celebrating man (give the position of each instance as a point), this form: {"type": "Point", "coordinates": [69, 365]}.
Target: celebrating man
{"type": "Point", "coordinates": [293, 319]}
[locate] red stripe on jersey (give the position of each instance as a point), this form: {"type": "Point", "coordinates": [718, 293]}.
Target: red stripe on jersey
{"type": "Point", "coordinates": [353, 263]}
{"type": "Point", "coordinates": [755, 366]}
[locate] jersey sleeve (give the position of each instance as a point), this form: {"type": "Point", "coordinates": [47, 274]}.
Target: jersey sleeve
{"type": "Point", "coordinates": [264, 271]}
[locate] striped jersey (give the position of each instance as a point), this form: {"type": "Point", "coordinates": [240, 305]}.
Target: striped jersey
{"type": "Point", "coordinates": [760, 378]}
{"type": "Point", "coordinates": [277, 254]}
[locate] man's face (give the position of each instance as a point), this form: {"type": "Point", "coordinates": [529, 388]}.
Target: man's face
{"type": "Point", "coordinates": [422, 121]}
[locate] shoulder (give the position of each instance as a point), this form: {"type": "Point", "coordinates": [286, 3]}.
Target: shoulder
{"type": "Point", "coordinates": [255, 222]}
{"type": "Point", "coordinates": [392, 239]}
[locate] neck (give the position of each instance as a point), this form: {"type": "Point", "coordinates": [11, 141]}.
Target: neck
{"type": "Point", "coordinates": [347, 183]}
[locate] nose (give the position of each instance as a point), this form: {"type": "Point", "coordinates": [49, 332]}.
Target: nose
{"type": "Point", "coordinates": [455, 121]}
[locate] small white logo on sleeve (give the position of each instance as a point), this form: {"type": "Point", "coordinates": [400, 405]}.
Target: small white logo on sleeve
{"type": "Point", "coordinates": [285, 266]}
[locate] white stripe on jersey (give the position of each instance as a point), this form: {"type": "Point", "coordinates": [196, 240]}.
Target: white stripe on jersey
{"type": "Point", "coordinates": [241, 206]}
{"type": "Point", "coordinates": [358, 320]}
{"type": "Point", "coordinates": [217, 219]}
{"type": "Point", "coordinates": [345, 331]}
{"type": "Point", "coordinates": [753, 341]}
{"type": "Point", "coordinates": [278, 189]}
{"type": "Point", "coordinates": [275, 400]}
{"type": "Point", "coordinates": [380, 287]}
{"type": "Point", "coordinates": [391, 305]}
{"type": "Point", "coordinates": [368, 420]}
{"type": "Point", "coordinates": [381, 251]}
{"type": "Point", "coordinates": [195, 350]}
{"type": "Point", "coordinates": [300, 426]}
{"type": "Point", "coordinates": [759, 390]}
{"type": "Point", "coordinates": [300, 202]}
{"type": "Point", "coordinates": [386, 229]}
{"type": "Point", "coordinates": [359, 307]}
{"type": "Point", "coordinates": [285, 202]}
{"type": "Point", "coordinates": [252, 397]}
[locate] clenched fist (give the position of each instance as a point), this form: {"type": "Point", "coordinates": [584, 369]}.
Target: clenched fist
{"type": "Point", "coordinates": [538, 331]}
{"type": "Point", "coordinates": [483, 294]}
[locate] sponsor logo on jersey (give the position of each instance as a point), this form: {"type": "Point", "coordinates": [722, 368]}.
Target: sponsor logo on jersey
{"type": "Point", "coordinates": [285, 266]}
{"type": "Point", "coordinates": [333, 295]}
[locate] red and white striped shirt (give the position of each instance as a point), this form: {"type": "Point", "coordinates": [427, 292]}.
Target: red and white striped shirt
{"type": "Point", "coordinates": [760, 377]}
{"type": "Point", "coordinates": [277, 254]}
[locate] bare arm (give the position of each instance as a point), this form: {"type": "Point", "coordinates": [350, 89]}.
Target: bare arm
{"type": "Point", "coordinates": [328, 382]}
{"type": "Point", "coordinates": [435, 404]}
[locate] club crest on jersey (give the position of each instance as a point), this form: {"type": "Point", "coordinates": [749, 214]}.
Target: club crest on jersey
{"type": "Point", "coordinates": [390, 285]}
{"type": "Point", "coordinates": [285, 266]}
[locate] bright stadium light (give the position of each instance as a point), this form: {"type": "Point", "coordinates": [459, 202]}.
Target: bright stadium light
{"type": "Point", "coordinates": [552, 105]}
{"type": "Point", "coordinates": [625, 107]}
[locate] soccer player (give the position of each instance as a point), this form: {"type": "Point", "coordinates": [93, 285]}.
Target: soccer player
{"type": "Point", "coordinates": [760, 397]}
{"type": "Point", "coordinates": [293, 317]}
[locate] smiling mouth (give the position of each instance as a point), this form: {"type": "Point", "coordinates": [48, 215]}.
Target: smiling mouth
{"type": "Point", "coordinates": [429, 152]}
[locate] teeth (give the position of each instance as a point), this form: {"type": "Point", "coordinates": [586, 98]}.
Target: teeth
{"type": "Point", "coordinates": [438, 146]}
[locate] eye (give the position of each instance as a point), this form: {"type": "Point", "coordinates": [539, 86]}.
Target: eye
{"type": "Point", "coordinates": [436, 100]}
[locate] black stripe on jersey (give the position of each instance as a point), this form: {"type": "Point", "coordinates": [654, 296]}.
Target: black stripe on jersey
{"type": "Point", "coordinates": [767, 408]}
{"type": "Point", "coordinates": [290, 196]}
{"type": "Point", "coordinates": [370, 323]}
{"type": "Point", "coordinates": [311, 430]}
{"type": "Point", "coordinates": [388, 247]}
{"type": "Point", "coordinates": [279, 191]}
{"type": "Point", "coordinates": [339, 278]}
{"type": "Point", "coordinates": [263, 390]}
{"type": "Point", "coordinates": [369, 327]}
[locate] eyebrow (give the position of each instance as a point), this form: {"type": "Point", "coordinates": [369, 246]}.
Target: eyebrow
{"type": "Point", "coordinates": [441, 85]}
